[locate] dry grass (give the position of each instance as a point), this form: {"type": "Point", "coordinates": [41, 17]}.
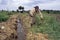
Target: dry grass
{"type": "Point", "coordinates": [26, 21]}
{"type": "Point", "coordinates": [9, 29]}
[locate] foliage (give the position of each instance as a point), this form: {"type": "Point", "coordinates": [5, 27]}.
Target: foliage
{"type": "Point", "coordinates": [21, 9]}
{"type": "Point", "coordinates": [4, 15]}
{"type": "Point", "coordinates": [49, 26]}
{"type": "Point", "coordinates": [52, 11]}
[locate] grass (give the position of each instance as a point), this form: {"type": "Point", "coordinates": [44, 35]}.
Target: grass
{"type": "Point", "coordinates": [4, 15]}
{"type": "Point", "coordinates": [49, 26]}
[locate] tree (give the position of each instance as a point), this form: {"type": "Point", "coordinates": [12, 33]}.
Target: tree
{"type": "Point", "coordinates": [21, 9]}
{"type": "Point", "coordinates": [17, 10]}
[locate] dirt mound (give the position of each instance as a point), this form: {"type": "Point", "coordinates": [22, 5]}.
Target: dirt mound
{"type": "Point", "coordinates": [37, 36]}
{"type": "Point", "coordinates": [9, 29]}
{"type": "Point", "coordinates": [26, 19]}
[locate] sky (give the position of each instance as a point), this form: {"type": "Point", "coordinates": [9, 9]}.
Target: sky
{"type": "Point", "coordinates": [29, 4]}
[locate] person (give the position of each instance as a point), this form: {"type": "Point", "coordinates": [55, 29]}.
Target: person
{"type": "Point", "coordinates": [33, 12]}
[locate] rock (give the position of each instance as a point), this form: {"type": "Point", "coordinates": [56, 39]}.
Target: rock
{"type": "Point", "coordinates": [3, 27]}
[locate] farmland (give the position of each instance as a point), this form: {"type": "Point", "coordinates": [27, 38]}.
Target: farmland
{"type": "Point", "coordinates": [50, 25]}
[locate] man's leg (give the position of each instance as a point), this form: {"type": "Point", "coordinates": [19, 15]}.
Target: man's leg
{"type": "Point", "coordinates": [33, 21]}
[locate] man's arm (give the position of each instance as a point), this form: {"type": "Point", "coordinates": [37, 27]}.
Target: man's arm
{"type": "Point", "coordinates": [32, 12]}
{"type": "Point", "coordinates": [41, 15]}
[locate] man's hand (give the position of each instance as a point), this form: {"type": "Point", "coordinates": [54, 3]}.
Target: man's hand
{"type": "Point", "coordinates": [42, 18]}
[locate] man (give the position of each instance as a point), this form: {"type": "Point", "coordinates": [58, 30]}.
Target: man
{"type": "Point", "coordinates": [33, 12]}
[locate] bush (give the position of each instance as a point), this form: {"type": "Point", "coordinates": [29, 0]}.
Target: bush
{"type": "Point", "coordinates": [50, 26]}
{"type": "Point", "coordinates": [3, 16]}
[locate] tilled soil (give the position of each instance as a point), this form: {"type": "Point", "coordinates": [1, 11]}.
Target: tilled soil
{"type": "Point", "coordinates": [27, 26]}
{"type": "Point", "coordinates": [11, 32]}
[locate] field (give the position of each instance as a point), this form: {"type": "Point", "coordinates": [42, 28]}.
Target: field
{"type": "Point", "coordinates": [50, 25]}
{"type": "Point", "coordinates": [4, 15]}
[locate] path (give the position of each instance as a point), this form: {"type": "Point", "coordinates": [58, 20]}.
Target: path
{"type": "Point", "coordinates": [20, 31]}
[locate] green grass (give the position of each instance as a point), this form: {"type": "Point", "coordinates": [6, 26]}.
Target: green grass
{"type": "Point", "coordinates": [4, 15]}
{"type": "Point", "coordinates": [49, 26]}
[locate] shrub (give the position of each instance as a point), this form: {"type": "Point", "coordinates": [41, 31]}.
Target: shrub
{"type": "Point", "coordinates": [3, 16]}
{"type": "Point", "coordinates": [50, 26]}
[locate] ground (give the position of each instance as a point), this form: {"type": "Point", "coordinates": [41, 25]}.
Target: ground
{"type": "Point", "coordinates": [9, 30]}
{"type": "Point", "coordinates": [44, 31]}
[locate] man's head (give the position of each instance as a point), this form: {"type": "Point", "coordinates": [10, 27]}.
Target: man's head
{"type": "Point", "coordinates": [36, 8]}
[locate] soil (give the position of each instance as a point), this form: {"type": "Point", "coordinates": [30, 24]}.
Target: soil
{"type": "Point", "coordinates": [9, 31]}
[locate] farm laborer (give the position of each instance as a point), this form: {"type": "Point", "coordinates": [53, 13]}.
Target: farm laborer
{"type": "Point", "coordinates": [33, 12]}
